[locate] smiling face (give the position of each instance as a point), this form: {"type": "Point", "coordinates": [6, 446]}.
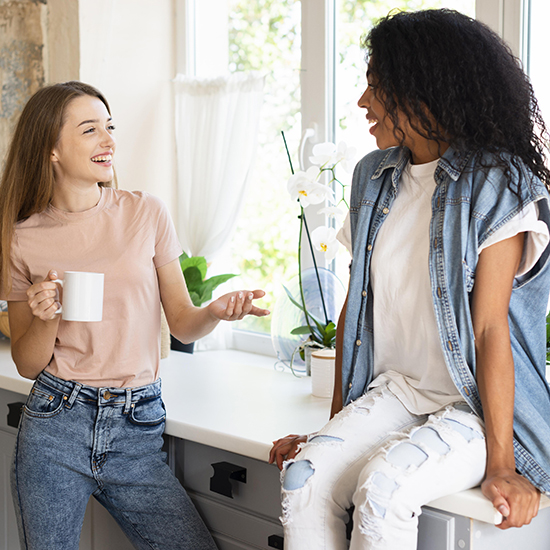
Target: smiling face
{"type": "Point", "coordinates": [381, 125]}
{"type": "Point", "coordinates": [83, 154]}
{"type": "Point", "coordinates": [384, 130]}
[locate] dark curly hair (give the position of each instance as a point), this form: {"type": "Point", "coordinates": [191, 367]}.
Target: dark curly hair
{"type": "Point", "coordinates": [468, 80]}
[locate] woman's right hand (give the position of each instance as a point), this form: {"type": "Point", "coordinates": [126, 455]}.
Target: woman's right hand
{"type": "Point", "coordinates": [42, 298]}
{"type": "Point", "coordinates": [286, 448]}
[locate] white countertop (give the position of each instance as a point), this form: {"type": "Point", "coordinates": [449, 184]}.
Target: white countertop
{"type": "Point", "coordinates": [238, 402]}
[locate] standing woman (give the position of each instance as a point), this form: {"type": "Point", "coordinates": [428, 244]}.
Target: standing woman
{"type": "Point", "coordinates": [440, 356]}
{"type": "Point", "coordinates": [94, 420]}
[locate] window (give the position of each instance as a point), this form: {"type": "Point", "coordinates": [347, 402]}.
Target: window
{"type": "Point", "coordinates": [537, 15]}
{"type": "Point", "coordinates": [310, 52]}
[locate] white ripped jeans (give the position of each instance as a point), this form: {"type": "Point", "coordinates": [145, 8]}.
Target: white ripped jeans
{"type": "Point", "coordinates": [385, 461]}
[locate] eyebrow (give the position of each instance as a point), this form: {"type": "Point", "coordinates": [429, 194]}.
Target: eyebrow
{"type": "Point", "coordinates": [94, 121]}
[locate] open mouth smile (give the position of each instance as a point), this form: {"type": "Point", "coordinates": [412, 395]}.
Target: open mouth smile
{"type": "Point", "coordinates": [103, 159]}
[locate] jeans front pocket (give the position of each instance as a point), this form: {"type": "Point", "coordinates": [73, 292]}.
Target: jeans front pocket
{"type": "Point", "coordinates": [44, 402]}
{"type": "Point", "coordinates": [148, 412]}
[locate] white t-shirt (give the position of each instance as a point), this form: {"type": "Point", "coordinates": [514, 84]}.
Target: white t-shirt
{"type": "Point", "coordinates": [407, 350]}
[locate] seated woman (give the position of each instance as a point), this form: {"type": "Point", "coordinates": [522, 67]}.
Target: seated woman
{"type": "Point", "coordinates": [440, 359]}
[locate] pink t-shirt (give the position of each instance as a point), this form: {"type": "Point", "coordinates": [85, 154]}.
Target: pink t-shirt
{"type": "Point", "coordinates": [126, 236]}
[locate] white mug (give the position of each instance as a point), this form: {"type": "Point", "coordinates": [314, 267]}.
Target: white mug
{"type": "Point", "coordinates": [82, 296]}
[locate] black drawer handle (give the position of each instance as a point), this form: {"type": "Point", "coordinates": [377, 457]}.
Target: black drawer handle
{"type": "Point", "coordinates": [14, 414]}
{"type": "Point", "coordinates": [276, 541]}
{"type": "Point", "coordinates": [223, 472]}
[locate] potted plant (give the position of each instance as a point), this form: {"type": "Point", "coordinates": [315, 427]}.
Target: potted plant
{"type": "Point", "coordinates": [306, 188]}
{"type": "Point", "coordinates": [200, 288]}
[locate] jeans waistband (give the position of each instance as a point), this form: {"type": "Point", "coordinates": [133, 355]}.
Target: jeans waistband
{"type": "Point", "coordinates": [100, 396]}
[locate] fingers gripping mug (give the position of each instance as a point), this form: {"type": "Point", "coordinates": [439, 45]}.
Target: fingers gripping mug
{"type": "Point", "coordinates": [82, 296]}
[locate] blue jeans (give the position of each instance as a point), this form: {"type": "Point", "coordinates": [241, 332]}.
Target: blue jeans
{"type": "Point", "coordinates": [75, 441]}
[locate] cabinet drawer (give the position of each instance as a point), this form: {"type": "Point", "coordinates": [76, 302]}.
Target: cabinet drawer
{"type": "Point", "coordinates": [241, 527]}
{"type": "Point", "coordinates": [259, 495]}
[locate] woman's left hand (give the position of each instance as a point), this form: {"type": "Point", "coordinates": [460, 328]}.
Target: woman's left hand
{"type": "Point", "coordinates": [513, 496]}
{"type": "Point", "coordinates": [236, 305]}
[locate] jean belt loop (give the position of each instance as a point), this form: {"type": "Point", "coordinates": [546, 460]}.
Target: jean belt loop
{"type": "Point", "coordinates": [128, 404]}
{"type": "Point", "coordinates": [74, 393]}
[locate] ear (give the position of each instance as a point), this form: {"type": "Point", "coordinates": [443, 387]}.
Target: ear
{"type": "Point", "coordinates": [53, 156]}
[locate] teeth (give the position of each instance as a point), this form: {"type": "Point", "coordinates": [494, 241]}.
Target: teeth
{"type": "Point", "coordinates": [103, 158]}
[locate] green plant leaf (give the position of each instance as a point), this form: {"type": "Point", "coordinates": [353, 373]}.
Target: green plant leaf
{"type": "Point", "coordinates": [217, 280]}
{"type": "Point", "coordinates": [193, 278]}
{"type": "Point", "coordinates": [301, 330]}
{"type": "Point", "coordinates": [195, 298]}
{"type": "Point", "coordinates": [291, 298]}
{"type": "Point", "coordinates": [194, 261]}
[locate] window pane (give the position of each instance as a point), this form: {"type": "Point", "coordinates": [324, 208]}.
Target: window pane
{"type": "Point", "coordinates": [537, 53]}
{"type": "Point", "coordinates": [266, 36]}
{"type": "Point", "coordinates": [353, 20]}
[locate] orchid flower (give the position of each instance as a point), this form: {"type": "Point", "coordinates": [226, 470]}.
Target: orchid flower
{"type": "Point", "coordinates": [324, 154]}
{"type": "Point", "coordinates": [333, 212]}
{"type": "Point", "coordinates": [328, 155]}
{"type": "Point", "coordinates": [324, 239]}
{"type": "Point", "coordinates": [303, 186]}
{"type": "Point", "coordinates": [346, 156]}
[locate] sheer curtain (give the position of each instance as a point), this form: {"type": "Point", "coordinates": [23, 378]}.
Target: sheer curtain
{"type": "Point", "coordinates": [216, 134]}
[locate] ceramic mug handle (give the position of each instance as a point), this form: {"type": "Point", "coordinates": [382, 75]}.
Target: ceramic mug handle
{"type": "Point", "coordinates": [60, 310]}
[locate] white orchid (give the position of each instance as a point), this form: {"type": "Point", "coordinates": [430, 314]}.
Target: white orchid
{"type": "Point", "coordinates": [303, 186]}
{"type": "Point", "coordinates": [328, 155]}
{"type": "Point", "coordinates": [324, 154]}
{"type": "Point", "coordinates": [324, 240]}
{"type": "Point", "coordinates": [333, 212]}
{"type": "Point", "coordinates": [346, 156]}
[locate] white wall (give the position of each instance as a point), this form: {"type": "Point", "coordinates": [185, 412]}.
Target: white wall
{"type": "Point", "coordinates": [127, 51]}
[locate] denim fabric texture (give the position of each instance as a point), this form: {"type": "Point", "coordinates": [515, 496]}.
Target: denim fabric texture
{"type": "Point", "coordinates": [468, 205]}
{"type": "Point", "coordinates": [75, 441]}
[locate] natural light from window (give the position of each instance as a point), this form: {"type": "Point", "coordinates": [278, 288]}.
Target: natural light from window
{"type": "Point", "coordinates": [266, 36]}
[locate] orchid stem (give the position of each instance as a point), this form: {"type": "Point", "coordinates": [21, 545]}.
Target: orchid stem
{"type": "Point", "coordinates": [303, 222]}
{"type": "Point", "coordinates": [315, 265]}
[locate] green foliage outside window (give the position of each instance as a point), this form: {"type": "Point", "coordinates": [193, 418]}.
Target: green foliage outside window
{"type": "Point", "coordinates": [265, 36]}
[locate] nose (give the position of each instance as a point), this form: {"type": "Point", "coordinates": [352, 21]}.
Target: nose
{"type": "Point", "coordinates": [107, 139]}
{"type": "Point", "coordinates": [364, 100]}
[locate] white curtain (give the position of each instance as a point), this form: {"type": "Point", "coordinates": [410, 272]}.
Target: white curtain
{"type": "Point", "coordinates": [216, 134]}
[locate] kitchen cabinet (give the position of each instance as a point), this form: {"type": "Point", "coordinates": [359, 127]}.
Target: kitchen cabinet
{"type": "Point", "coordinates": [225, 408]}
{"type": "Point", "coordinates": [9, 538]}
{"type": "Point", "coordinates": [237, 496]}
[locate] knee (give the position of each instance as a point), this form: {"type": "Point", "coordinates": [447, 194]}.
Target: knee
{"type": "Point", "coordinates": [296, 474]}
{"type": "Point", "coordinates": [394, 469]}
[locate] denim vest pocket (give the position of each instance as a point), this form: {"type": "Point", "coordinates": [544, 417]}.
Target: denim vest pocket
{"type": "Point", "coordinates": [148, 412]}
{"type": "Point", "coordinates": [44, 402]}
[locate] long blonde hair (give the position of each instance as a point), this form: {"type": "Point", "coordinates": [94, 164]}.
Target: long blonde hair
{"type": "Point", "coordinates": [28, 179]}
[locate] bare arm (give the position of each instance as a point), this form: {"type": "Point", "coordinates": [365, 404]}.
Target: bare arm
{"type": "Point", "coordinates": [189, 323]}
{"type": "Point", "coordinates": [33, 327]}
{"type": "Point", "coordinates": [337, 394]}
{"type": "Point", "coordinates": [512, 495]}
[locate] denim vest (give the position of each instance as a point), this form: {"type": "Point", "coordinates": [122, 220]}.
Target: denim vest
{"type": "Point", "coordinates": [468, 206]}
